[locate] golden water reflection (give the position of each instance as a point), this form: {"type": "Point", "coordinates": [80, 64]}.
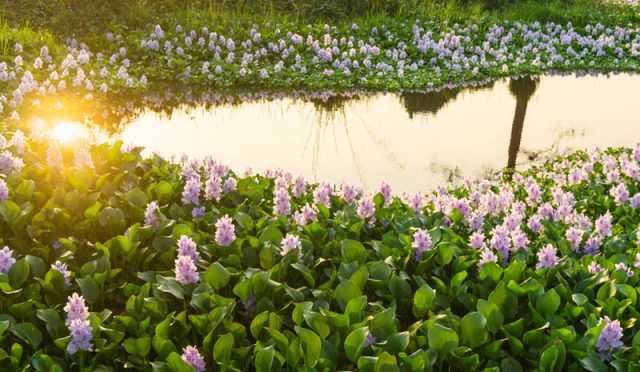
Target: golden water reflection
{"type": "Point", "coordinates": [388, 137]}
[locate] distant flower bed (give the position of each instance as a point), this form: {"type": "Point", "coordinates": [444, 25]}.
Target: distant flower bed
{"type": "Point", "coordinates": [113, 261]}
{"type": "Point", "coordinates": [396, 56]}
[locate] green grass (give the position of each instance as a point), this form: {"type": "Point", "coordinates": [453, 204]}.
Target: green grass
{"type": "Point", "coordinates": [82, 18]}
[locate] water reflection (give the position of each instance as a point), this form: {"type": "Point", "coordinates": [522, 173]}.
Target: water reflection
{"type": "Point", "coordinates": [522, 90]}
{"type": "Point", "coordinates": [414, 140]}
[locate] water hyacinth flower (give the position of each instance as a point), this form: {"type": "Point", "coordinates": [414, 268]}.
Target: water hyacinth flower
{"type": "Point", "coordinates": [6, 260]}
{"type": "Point", "coordinates": [487, 256]}
{"type": "Point", "coordinates": [622, 266]}
{"type": "Point", "coordinates": [81, 335]}
{"type": "Point", "coordinates": [187, 247]}
{"type": "Point", "coordinates": [547, 257]}
{"type": "Point", "coordinates": [225, 231]}
{"type": "Point", "coordinates": [421, 243]}
{"type": "Point", "coordinates": [82, 156]}
{"type": "Point", "coordinates": [534, 224]}
{"type": "Point", "coordinates": [192, 356]}
{"type": "Point", "coordinates": [592, 245]}
{"type": "Point", "coordinates": [369, 340]}
{"type": "Point", "coordinates": [191, 192]}
{"type": "Point", "coordinates": [308, 213]}
{"type": "Point", "coordinates": [185, 270]}
{"type": "Point", "coordinates": [75, 309]}
{"type": "Point", "coordinates": [609, 338]}
{"type": "Point", "coordinates": [229, 185]}
{"type": "Point", "coordinates": [476, 240]}
{"type": "Point", "coordinates": [250, 304]}
{"type": "Point", "coordinates": [349, 193]}
{"type": "Point", "coordinates": [281, 202]}
{"type": "Point", "coordinates": [416, 202]}
{"type": "Point", "coordinates": [322, 194]}
{"type": "Point", "coordinates": [212, 188]}
{"type": "Point", "coordinates": [574, 236]}
{"type": "Point", "coordinates": [299, 186]}
{"type": "Point", "coordinates": [4, 190]}
{"type": "Point", "coordinates": [151, 215]}
{"type": "Point", "coordinates": [289, 243]}
{"type": "Point", "coordinates": [594, 268]}
{"type": "Point", "coordinates": [603, 225]}
{"type": "Point", "coordinates": [365, 208]}
{"type": "Point", "coordinates": [198, 212]}
{"type": "Point", "coordinates": [619, 193]}
{"type": "Point", "coordinates": [63, 269]}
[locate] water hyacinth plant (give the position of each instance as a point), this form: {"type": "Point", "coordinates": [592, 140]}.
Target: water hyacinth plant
{"type": "Point", "coordinates": [514, 272]}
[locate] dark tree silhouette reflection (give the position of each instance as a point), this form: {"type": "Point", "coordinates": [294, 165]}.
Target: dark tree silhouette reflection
{"type": "Point", "coordinates": [416, 103]}
{"type": "Point", "coordinates": [522, 89]}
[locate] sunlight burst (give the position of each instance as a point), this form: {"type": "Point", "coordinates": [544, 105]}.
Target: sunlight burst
{"type": "Point", "coordinates": [66, 132]}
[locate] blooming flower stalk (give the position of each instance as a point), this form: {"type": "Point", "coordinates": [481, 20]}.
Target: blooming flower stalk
{"type": "Point", "coordinates": [192, 356]}
{"type": "Point", "coordinates": [6, 260]}
{"type": "Point", "coordinates": [225, 231]}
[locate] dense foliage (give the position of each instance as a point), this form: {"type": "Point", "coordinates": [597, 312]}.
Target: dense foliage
{"type": "Point", "coordinates": [520, 274]}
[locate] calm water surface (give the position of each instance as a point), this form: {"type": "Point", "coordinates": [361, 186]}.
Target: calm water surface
{"type": "Point", "coordinates": [414, 141]}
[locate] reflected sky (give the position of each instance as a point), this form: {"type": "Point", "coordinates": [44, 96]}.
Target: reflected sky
{"type": "Point", "coordinates": [413, 141]}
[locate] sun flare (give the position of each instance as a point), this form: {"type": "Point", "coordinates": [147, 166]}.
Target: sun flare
{"type": "Point", "coordinates": [66, 132]}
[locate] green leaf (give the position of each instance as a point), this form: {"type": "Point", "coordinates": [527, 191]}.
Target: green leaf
{"type": "Point", "coordinates": [353, 251]}
{"type": "Point", "coordinates": [594, 364]}
{"type": "Point", "coordinates": [171, 286]}
{"type": "Point", "coordinates": [345, 291]}
{"type": "Point", "coordinates": [311, 345]}
{"type": "Point", "coordinates": [354, 342]}
{"type": "Point", "coordinates": [244, 220]}
{"type": "Point", "coordinates": [510, 365]}
{"type": "Point", "coordinates": [355, 308]}
{"type": "Point", "coordinates": [137, 198]}
{"type": "Point", "coordinates": [217, 276]}
{"type": "Point", "coordinates": [474, 329]}
{"type": "Point", "coordinates": [442, 339]}
{"type": "Point", "coordinates": [549, 358]}
{"type": "Point", "coordinates": [549, 302]}
{"type": "Point", "coordinates": [18, 273]}
{"type": "Point", "coordinates": [28, 333]}
{"type": "Point", "coordinates": [223, 347]}
{"type": "Point", "coordinates": [271, 234]}
{"type": "Point", "coordinates": [93, 210]}
{"type": "Point", "coordinates": [397, 343]}
{"type": "Point", "coordinates": [386, 363]}
{"type": "Point", "coordinates": [264, 359]}
{"type": "Point", "coordinates": [164, 191]}
{"type": "Point", "coordinates": [492, 314]}
{"type": "Point", "coordinates": [445, 253]}
{"type": "Point", "coordinates": [138, 346]}
{"type": "Point", "coordinates": [89, 288]}
{"type": "Point", "coordinates": [176, 364]}
{"type": "Point", "coordinates": [491, 270]}
{"type": "Point", "coordinates": [506, 301]}
{"type": "Point", "coordinates": [423, 300]}
{"type": "Point", "coordinates": [399, 288]}
{"type": "Point", "coordinates": [38, 267]}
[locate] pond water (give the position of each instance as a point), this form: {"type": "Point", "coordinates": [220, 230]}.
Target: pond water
{"type": "Point", "coordinates": [413, 140]}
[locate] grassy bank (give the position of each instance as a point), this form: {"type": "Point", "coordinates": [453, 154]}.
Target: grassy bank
{"type": "Point", "coordinates": [81, 19]}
